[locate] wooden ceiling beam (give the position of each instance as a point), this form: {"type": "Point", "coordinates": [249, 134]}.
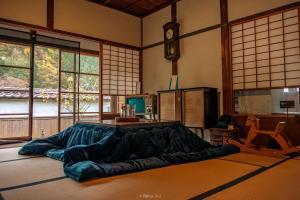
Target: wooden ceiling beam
{"type": "Point", "coordinates": [106, 2]}
{"type": "Point", "coordinates": [130, 5]}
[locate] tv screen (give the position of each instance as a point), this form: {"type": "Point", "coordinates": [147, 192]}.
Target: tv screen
{"type": "Point", "coordinates": [139, 104]}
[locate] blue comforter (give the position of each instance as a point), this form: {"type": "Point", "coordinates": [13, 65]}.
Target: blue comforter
{"type": "Point", "coordinates": [90, 151]}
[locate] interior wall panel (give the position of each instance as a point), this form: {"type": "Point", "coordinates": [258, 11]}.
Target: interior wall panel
{"type": "Point", "coordinates": [26, 11]}
{"type": "Point", "coordinates": [194, 15]}
{"type": "Point", "coordinates": [94, 20]}
{"type": "Point", "coordinates": [242, 8]}
{"type": "Point", "coordinates": [153, 26]}
{"type": "Point", "coordinates": [156, 70]}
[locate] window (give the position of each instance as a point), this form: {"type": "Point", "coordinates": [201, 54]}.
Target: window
{"type": "Point", "coordinates": [265, 59]}
{"type": "Point", "coordinates": [14, 90]}
{"type": "Point", "coordinates": [63, 91]}
{"type": "Point", "coordinates": [113, 104]}
{"type": "Point", "coordinates": [120, 71]}
{"type": "Point", "coordinates": [266, 101]}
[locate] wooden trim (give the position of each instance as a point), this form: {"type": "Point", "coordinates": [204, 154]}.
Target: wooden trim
{"type": "Point", "coordinates": [153, 45]}
{"type": "Point", "coordinates": [200, 31]}
{"type": "Point", "coordinates": [89, 52]}
{"type": "Point", "coordinates": [50, 14]}
{"type": "Point", "coordinates": [141, 57]}
{"type": "Point", "coordinates": [31, 81]}
{"type": "Point", "coordinates": [101, 80]}
{"type": "Point", "coordinates": [186, 35]}
{"type": "Point", "coordinates": [226, 67]}
{"type": "Point", "coordinates": [76, 35]}
{"type": "Point", "coordinates": [59, 93]}
{"type": "Point", "coordinates": [174, 68]}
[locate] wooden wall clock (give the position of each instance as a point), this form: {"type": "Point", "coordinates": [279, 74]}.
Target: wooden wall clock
{"type": "Point", "coordinates": [171, 41]}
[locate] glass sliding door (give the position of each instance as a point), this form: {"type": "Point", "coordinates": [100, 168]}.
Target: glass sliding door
{"type": "Point", "coordinates": [45, 91]}
{"type": "Point", "coordinates": [14, 90]}
{"type": "Point", "coordinates": [67, 89]}
{"type": "Point", "coordinates": [89, 81]}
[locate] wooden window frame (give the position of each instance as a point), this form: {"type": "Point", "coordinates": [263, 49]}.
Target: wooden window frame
{"type": "Point", "coordinates": [253, 18]}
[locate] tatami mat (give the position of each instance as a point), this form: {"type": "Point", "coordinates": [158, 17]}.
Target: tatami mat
{"type": "Point", "coordinates": [11, 154]}
{"type": "Point", "coordinates": [264, 161]}
{"type": "Point", "coordinates": [173, 182]}
{"type": "Point", "coordinates": [29, 170]}
{"type": "Point", "coordinates": [4, 146]}
{"type": "Point", "coordinates": [297, 158]}
{"type": "Point", "coordinates": [280, 182]}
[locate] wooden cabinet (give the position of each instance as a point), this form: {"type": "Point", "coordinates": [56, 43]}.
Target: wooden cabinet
{"type": "Point", "coordinates": [194, 107]}
{"type": "Point", "coordinates": [170, 105]}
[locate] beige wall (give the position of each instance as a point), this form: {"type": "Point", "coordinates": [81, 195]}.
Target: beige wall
{"type": "Point", "coordinates": [197, 14]}
{"type": "Point", "coordinates": [156, 71]}
{"type": "Point", "coordinates": [153, 26]}
{"type": "Point", "coordinates": [77, 16]}
{"type": "Point", "coordinates": [200, 61]}
{"type": "Point", "coordinates": [87, 18]}
{"type": "Point", "coordinates": [242, 8]}
{"type": "Point", "coordinates": [26, 11]}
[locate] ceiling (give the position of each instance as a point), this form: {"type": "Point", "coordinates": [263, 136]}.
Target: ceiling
{"type": "Point", "coordinates": [139, 8]}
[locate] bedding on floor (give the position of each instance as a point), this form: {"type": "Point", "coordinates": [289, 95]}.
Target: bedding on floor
{"type": "Point", "coordinates": [98, 150]}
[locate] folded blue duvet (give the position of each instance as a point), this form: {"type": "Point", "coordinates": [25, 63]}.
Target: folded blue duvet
{"type": "Point", "coordinates": [96, 150]}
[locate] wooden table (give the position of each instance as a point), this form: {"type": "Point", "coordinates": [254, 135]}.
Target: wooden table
{"type": "Point", "coordinates": [142, 122]}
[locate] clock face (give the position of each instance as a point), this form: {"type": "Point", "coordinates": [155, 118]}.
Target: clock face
{"type": "Point", "coordinates": [172, 50]}
{"type": "Point", "coordinates": [169, 33]}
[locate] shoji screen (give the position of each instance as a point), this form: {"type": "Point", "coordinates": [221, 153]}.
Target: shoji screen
{"type": "Point", "coordinates": [265, 52]}
{"type": "Point", "coordinates": [120, 71]}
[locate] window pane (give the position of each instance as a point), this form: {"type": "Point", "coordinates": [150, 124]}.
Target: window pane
{"type": "Point", "coordinates": [67, 82]}
{"type": "Point", "coordinates": [106, 104]}
{"type": "Point", "coordinates": [88, 64]}
{"type": "Point", "coordinates": [12, 102]}
{"type": "Point", "coordinates": [46, 67]}
{"type": "Point", "coordinates": [67, 61]}
{"type": "Point", "coordinates": [88, 103]}
{"type": "Point", "coordinates": [67, 102]}
{"type": "Point", "coordinates": [266, 101]}
{"type": "Point", "coordinates": [14, 55]}
{"type": "Point", "coordinates": [14, 79]}
{"type": "Point", "coordinates": [121, 102]}
{"type": "Point", "coordinates": [88, 83]}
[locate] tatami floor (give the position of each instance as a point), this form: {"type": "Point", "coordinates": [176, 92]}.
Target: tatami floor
{"type": "Point", "coordinates": [237, 176]}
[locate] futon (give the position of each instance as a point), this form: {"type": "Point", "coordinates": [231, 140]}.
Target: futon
{"type": "Point", "coordinates": [98, 150]}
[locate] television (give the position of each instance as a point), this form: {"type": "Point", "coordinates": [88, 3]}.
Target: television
{"type": "Point", "coordinates": [144, 104]}
{"type": "Point", "coordinates": [138, 103]}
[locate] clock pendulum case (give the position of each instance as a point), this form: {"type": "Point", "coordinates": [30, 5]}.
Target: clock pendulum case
{"type": "Point", "coordinates": [171, 41]}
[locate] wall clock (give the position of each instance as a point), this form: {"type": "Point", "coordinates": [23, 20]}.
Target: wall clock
{"type": "Point", "coordinates": [171, 41]}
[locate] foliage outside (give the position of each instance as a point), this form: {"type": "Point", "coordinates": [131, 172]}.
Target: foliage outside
{"type": "Point", "coordinates": [46, 73]}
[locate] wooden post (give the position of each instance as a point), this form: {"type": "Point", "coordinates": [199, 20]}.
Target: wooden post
{"type": "Point", "coordinates": [50, 14]}
{"type": "Point", "coordinates": [226, 68]}
{"type": "Point", "coordinates": [174, 19]}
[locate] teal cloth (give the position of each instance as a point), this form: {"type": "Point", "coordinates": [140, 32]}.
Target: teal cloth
{"type": "Point", "coordinates": [90, 151]}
